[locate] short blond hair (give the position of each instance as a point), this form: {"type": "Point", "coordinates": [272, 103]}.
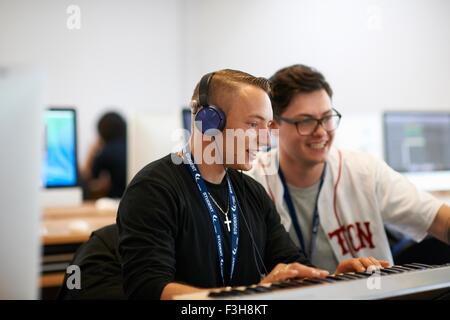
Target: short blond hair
{"type": "Point", "coordinates": [226, 83]}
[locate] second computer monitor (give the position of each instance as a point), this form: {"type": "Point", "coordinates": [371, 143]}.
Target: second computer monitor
{"type": "Point", "coordinates": [186, 115]}
{"type": "Point", "coordinates": [418, 144]}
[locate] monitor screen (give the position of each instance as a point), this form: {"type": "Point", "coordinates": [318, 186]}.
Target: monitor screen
{"type": "Point", "coordinates": [417, 141]}
{"type": "Point", "coordinates": [60, 149]}
{"type": "Point", "coordinates": [151, 136]}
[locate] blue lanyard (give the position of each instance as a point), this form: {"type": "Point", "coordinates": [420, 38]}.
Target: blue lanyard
{"type": "Point", "coordinates": [292, 213]}
{"type": "Point", "coordinates": [213, 215]}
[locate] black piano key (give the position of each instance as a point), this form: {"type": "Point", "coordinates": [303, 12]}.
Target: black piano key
{"type": "Point", "coordinates": [321, 280]}
{"type": "Point", "coordinates": [274, 286]}
{"type": "Point", "coordinates": [280, 285]}
{"type": "Point", "coordinates": [297, 282]}
{"type": "Point", "coordinates": [291, 284]}
{"type": "Point", "coordinates": [343, 277]}
{"type": "Point", "coordinates": [407, 268]}
{"type": "Point", "coordinates": [236, 292]}
{"type": "Point", "coordinates": [220, 294]}
{"type": "Point", "coordinates": [400, 268]}
{"type": "Point", "coordinates": [392, 271]}
{"type": "Point", "coordinates": [356, 276]}
{"type": "Point", "coordinates": [312, 281]}
{"type": "Point", "coordinates": [326, 280]}
{"type": "Point", "coordinates": [394, 268]}
{"type": "Point", "coordinates": [334, 279]}
{"type": "Point", "coordinates": [353, 276]}
{"type": "Point", "coordinates": [257, 289]}
{"type": "Point", "coordinates": [300, 283]}
{"type": "Point", "coordinates": [214, 294]}
{"type": "Point", "coordinates": [410, 265]}
{"type": "Point", "coordinates": [385, 272]}
{"type": "Point", "coordinates": [426, 266]}
{"type": "Point", "coordinates": [263, 288]}
{"type": "Point", "coordinates": [366, 274]}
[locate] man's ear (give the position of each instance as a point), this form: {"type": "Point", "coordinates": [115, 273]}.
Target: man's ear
{"type": "Point", "coordinates": [194, 106]}
{"type": "Point", "coordinates": [274, 124]}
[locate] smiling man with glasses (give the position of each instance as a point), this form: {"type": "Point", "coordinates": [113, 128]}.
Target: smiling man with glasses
{"type": "Point", "coordinates": [334, 203]}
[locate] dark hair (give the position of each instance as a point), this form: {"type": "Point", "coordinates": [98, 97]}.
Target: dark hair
{"type": "Point", "coordinates": [112, 126]}
{"type": "Point", "coordinates": [289, 81]}
{"type": "Point", "coordinates": [227, 82]}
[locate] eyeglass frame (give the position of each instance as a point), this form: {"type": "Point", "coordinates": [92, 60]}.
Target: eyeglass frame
{"type": "Point", "coordinates": [318, 122]}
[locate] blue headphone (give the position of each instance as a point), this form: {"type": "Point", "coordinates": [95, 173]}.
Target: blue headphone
{"type": "Point", "coordinates": [210, 117]}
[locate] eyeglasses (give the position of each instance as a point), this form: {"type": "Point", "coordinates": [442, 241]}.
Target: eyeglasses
{"type": "Point", "coordinates": [308, 125]}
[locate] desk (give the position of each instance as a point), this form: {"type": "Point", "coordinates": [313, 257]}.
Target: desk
{"type": "Point", "coordinates": [63, 230]}
{"type": "Point", "coordinates": [59, 225]}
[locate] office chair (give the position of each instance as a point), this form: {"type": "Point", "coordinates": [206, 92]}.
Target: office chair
{"type": "Point", "coordinates": [428, 251]}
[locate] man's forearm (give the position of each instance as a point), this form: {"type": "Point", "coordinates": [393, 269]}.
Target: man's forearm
{"type": "Point", "coordinates": [440, 228]}
{"type": "Point", "coordinates": [172, 289]}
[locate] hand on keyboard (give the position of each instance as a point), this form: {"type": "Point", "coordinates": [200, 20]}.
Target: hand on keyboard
{"type": "Point", "coordinates": [360, 264]}
{"type": "Point", "coordinates": [284, 271]}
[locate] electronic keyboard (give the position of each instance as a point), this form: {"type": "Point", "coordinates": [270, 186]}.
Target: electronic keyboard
{"type": "Point", "coordinates": [396, 281]}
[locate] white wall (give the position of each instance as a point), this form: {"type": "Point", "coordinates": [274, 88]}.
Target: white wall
{"type": "Point", "coordinates": [148, 55]}
{"type": "Point", "coordinates": [126, 54]}
{"type": "Point", "coordinates": [377, 55]}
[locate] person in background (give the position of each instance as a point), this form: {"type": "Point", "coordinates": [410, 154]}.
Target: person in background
{"type": "Point", "coordinates": [104, 172]}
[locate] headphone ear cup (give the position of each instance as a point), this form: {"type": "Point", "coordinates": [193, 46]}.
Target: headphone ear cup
{"type": "Point", "coordinates": [208, 118]}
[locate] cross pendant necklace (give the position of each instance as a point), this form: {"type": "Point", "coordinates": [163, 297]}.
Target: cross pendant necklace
{"type": "Point", "coordinates": [227, 221]}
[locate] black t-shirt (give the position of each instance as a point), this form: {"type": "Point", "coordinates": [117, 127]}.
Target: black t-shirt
{"type": "Point", "coordinates": [112, 158]}
{"type": "Point", "coordinates": [166, 234]}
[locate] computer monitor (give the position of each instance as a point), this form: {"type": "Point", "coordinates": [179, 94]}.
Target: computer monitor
{"type": "Point", "coordinates": [21, 106]}
{"type": "Point", "coordinates": [186, 117]}
{"type": "Point", "coordinates": [418, 145]}
{"type": "Point", "coordinates": [360, 131]}
{"type": "Point", "coordinates": [151, 136]}
{"type": "Point", "coordinates": [59, 166]}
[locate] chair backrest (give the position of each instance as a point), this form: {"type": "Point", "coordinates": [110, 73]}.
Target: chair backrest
{"type": "Point", "coordinates": [100, 266]}
{"type": "Point", "coordinates": [429, 251]}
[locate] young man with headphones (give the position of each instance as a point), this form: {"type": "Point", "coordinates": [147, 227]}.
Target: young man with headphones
{"type": "Point", "coordinates": [187, 223]}
{"type": "Point", "coordinates": [334, 203]}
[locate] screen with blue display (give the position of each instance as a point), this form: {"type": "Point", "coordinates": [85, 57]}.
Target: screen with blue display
{"type": "Point", "coordinates": [60, 156]}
